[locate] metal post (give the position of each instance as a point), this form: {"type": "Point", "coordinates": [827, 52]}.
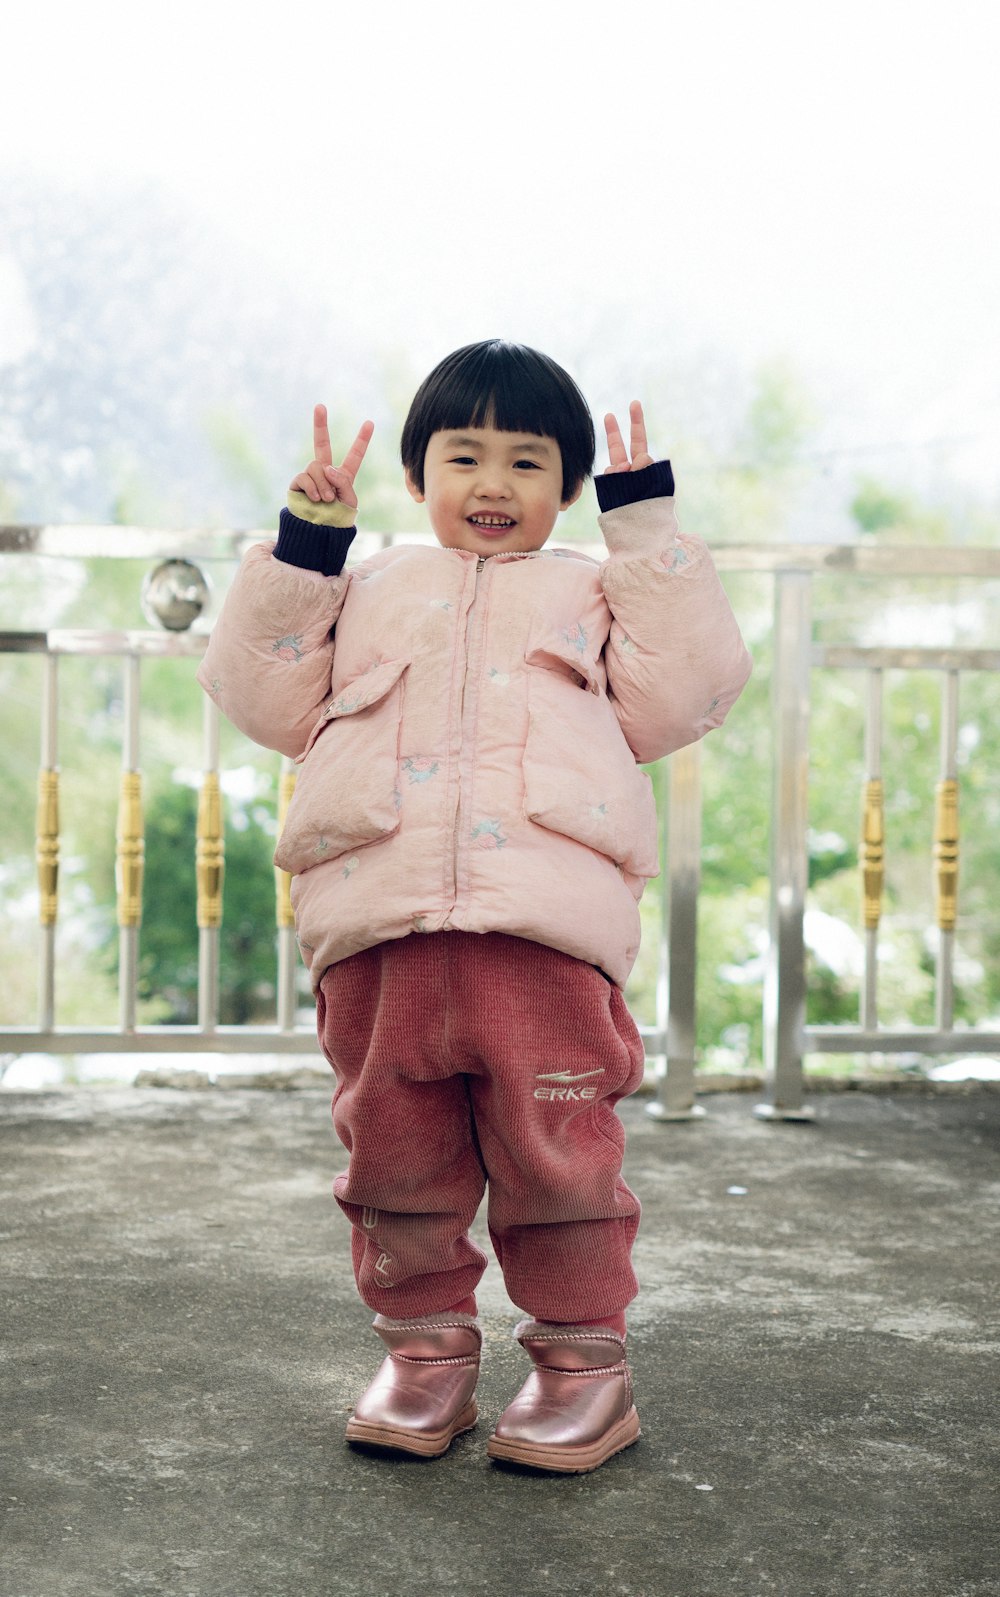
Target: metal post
{"type": "Point", "coordinates": [946, 853]}
{"type": "Point", "coordinates": [130, 851]}
{"type": "Point", "coordinates": [47, 843]}
{"type": "Point", "coordinates": [287, 948]}
{"type": "Point", "coordinates": [675, 1099]}
{"type": "Point", "coordinates": [210, 865]}
{"type": "Point", "coordinates": [784, 982]}
{"type": "Point", "coordinates": [872, 849]}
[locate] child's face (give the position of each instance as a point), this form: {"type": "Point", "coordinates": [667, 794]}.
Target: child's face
{"type": "Point", "coordinates": [492, 492]}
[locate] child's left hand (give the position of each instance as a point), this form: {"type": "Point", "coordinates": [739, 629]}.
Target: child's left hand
{"type": "Point", "coordinates": [637, 441]}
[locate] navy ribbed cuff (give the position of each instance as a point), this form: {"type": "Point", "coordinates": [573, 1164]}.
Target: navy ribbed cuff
{"type": "Point", "coordinates": [313, 548]}
{"type": "Point", "coordinates": [628, 487]}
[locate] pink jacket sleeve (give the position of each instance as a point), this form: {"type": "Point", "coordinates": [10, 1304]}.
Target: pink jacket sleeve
{"type": "Point", "coordinates": [270, 657]}
{"type": "Point", "coordinates": [675, 659]}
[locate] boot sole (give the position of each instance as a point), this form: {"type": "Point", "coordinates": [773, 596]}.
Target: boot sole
{"type": "Point", "coordinates": [568, 1460]}
{"type": "Point", "coordinates": [426, 1444]}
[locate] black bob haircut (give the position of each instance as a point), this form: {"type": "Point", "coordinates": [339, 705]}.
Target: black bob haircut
{"type": "Point", "coordinates": [507, 386]}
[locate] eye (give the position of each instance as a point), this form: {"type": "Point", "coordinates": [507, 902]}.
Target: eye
{"type": "Point", "coordinates": [532, 465]}
{"type": "Point", "coordinates": [461, 460]}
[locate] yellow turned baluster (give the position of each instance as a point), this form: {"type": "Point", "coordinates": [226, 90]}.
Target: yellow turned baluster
{"type": "Point", "coordinates": [282, 879]}
{"type": "Point", "coordinates": [210, 852]}
{"type": "Point", "coordinates": [130, 853]}
{"type": "Point", "coordinates": [873, 853]}
{"type": "Point", "coordinates": [47, 846]}
{"type": "Point", "coordinates": [946, 852]}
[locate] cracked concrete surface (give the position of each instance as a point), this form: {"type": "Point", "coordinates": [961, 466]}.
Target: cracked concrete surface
{"type": "Point", "coordinates": [815, 1365]}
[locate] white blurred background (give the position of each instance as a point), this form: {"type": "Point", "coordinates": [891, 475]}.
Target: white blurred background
{"type": "Point", "coordinates": [215, 214]}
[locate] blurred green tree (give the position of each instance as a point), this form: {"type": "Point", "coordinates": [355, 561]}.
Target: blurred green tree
{"type": "Point", "coordinates": [168, 944]}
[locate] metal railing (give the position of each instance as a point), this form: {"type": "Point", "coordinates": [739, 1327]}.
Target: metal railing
{"type": "Point", "coordinates": [786, 1035]}
{"type": "Point", "coordinates": [671, 1039]}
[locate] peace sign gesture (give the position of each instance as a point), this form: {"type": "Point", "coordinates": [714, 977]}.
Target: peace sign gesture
{"type": "Point", "coordinates": [616, 444]}
{"type": "Point", "coordinates": [322, 480]}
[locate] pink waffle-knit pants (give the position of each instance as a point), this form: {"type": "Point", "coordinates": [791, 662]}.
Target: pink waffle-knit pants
{"type": "Point", "coordinates": [467, 1060]}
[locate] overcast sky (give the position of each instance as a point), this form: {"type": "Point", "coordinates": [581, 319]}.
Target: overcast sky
{"type": "Point", "coordinates": [812, 181]}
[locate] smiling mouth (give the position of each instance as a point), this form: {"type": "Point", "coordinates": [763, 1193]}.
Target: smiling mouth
{"type": "Point", "coordinates": [491, 523]}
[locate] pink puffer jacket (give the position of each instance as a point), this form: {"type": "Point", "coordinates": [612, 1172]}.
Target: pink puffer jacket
{"type": "Point", "coordinates": [469, 729]}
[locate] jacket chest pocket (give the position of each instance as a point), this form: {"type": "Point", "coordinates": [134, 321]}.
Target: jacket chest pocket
{"type": "Point", "coordinates": [581, 779]}
{"type": "Point", "coordinates": [347, 793]}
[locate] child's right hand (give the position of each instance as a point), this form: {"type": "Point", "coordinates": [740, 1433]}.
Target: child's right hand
{"type": "Point", "coordinates": [322, 480]}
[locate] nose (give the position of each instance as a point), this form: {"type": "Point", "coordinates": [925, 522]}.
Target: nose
{"type": "Point", "coordinates": [492, 483]}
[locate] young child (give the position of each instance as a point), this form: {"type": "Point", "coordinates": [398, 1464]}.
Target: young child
{"type": "Point", "coordinates": [469, 836]}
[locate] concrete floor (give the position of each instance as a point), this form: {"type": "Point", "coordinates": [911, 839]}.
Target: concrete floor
{"type": "Point", "coordinates": [815, 1365]}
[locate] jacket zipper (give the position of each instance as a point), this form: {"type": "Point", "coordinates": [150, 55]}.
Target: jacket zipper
{"type": "Point", "coordinates": [459, 808]}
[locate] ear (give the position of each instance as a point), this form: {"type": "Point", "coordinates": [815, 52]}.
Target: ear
{"type": "Point", "coordinates": [412, 489]}
{"type": "Point", "coordinates": [574, 496]}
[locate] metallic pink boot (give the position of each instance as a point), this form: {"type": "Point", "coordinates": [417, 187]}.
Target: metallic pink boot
{"type": "Point", "coordinates": [422, 1395]}
{"type": "Point", "coordinates": [575, 1409]}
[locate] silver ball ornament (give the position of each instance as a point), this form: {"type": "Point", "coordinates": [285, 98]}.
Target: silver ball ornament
{"type": "Point", "coordinates": [174, 594]}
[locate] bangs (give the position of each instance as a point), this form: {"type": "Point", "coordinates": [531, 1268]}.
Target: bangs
{"type": "Point", "coordinates": [496, 388]}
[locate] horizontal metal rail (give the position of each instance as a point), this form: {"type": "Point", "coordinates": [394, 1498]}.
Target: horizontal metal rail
{"type": "Point", "coordinates": [838, 657]}
{"type": "Point", "coordinates": [901, 1040]}
{"type": "Point", "coordinates": [160, 1040]}
{"type": "Point", "coordinates": [832, 559]}
{"type": "Point", "coordinates": [158, 645]}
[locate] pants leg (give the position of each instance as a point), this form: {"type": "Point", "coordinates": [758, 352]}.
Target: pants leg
{"type": "Point", "coordinates": [551, 1049]}
{"type": "Point", "coordinates": [401, 1108]}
